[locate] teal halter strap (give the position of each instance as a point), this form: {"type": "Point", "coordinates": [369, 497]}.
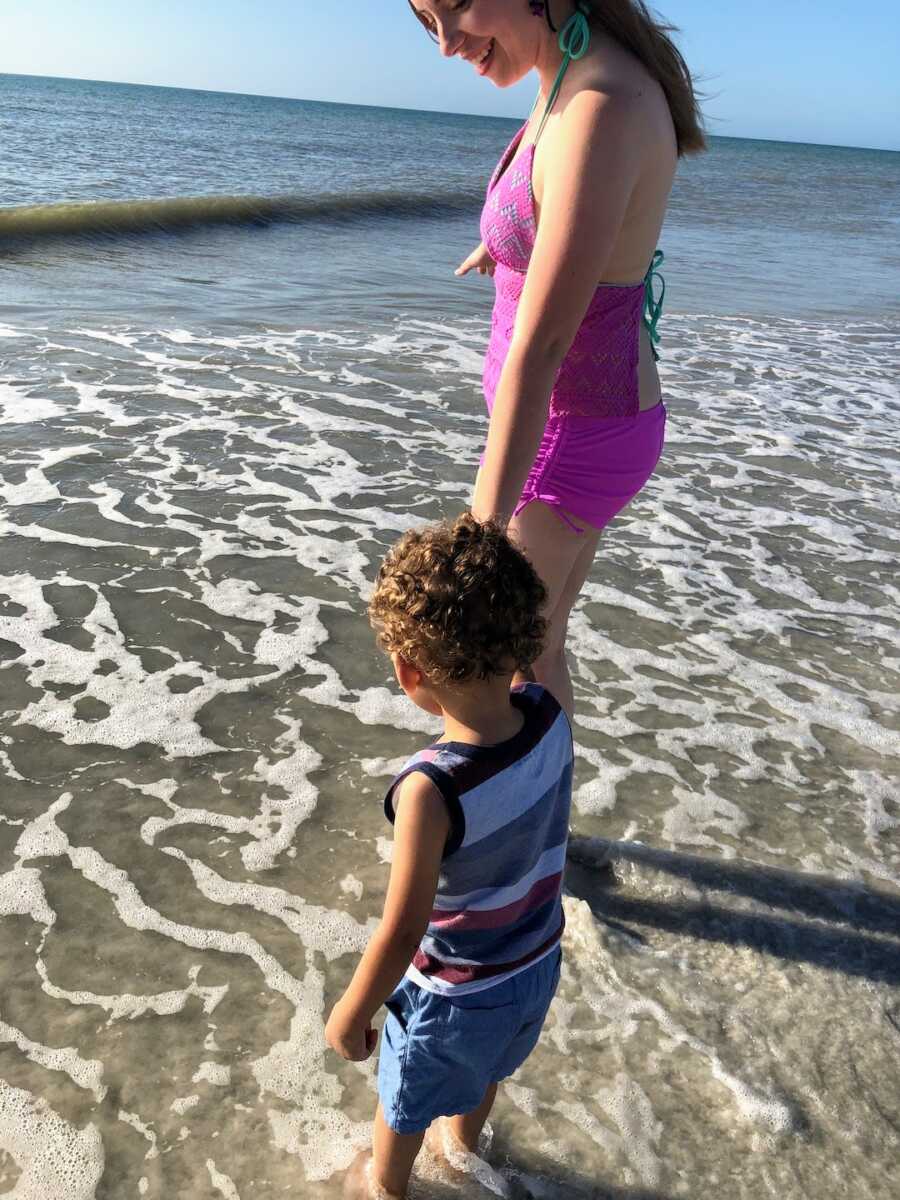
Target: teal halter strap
{"type": "Point", "coordinates": [653, 305]}
{"type": "Point", "coordinates": [574, 38]}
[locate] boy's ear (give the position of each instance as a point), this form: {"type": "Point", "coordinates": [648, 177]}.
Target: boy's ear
{"type": "Point", "coordinates": [408, 675]}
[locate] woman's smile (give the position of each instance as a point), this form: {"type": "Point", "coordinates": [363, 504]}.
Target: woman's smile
{"type": "Point", "coordinates": [481, 62]}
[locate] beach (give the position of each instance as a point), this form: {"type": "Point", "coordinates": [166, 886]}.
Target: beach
{"type": "Point", "coordinates": [211, 431]}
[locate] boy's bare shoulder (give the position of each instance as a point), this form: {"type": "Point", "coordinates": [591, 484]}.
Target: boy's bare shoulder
{"type": "Point", "coordinates": [418, 790]}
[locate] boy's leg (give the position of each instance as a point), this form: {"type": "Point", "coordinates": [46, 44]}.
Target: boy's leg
{"type": "Point", "coordinates": [393, 1155]}
{"type": "Point", "coordinates": [468, 1126]}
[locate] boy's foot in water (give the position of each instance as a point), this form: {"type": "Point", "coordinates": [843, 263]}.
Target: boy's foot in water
{"type": "Point", "coordinates": [359, 1184]}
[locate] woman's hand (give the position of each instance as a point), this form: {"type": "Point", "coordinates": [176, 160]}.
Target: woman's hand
{"type": "Point", "coordinates": [479, 260]}
{"type": "Point", "coordinates": [352, 1038]}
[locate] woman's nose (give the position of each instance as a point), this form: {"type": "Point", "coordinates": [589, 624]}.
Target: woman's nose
{"type": "Point", "coordinates": [449, 39]}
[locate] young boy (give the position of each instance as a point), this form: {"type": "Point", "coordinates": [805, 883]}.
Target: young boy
{"type": "Point", "coordinates": [467, 955]}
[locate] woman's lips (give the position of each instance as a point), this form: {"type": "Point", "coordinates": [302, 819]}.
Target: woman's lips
{"type": "Point", "coordinates": [482, 65]}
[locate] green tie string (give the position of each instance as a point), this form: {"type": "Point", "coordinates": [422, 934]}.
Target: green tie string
{"type": "Point", "coordinates": [653, 306]}
{"type": "Point", "coordinates": [574, 38]}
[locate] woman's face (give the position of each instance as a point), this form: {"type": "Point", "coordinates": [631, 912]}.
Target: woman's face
{"type": "Point", "coordinates": [500, 38]}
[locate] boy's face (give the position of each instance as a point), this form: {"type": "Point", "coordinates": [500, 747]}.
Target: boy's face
{"type": "Point", "coordinates": [416, 686]}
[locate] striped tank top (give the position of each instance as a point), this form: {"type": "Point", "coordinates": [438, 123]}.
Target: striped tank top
{"type": "Point", "coordinates": [498, 907]}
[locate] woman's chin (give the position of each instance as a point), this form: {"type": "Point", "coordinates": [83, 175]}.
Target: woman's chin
{"type": "Point", "coordinates": [504, 79]}
{"type": "Point", "coordinates": [500, 80]}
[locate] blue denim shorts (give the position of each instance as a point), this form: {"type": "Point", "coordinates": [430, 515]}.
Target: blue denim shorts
{"type": "Point", "coordinates": [439, 1054]}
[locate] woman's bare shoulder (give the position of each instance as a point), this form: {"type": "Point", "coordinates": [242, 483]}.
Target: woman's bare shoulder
{"type": "Point", "coordinates": [613, 137]}
{"type": "Point", "coordinates": [617, 90]}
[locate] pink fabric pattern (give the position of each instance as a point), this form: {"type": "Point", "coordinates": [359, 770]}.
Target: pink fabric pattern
{"type": "Point", "coordinates": [599, 375]}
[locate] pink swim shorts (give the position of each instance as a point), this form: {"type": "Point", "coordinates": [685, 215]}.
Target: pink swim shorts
{"type": "Point", "coordinates": [592, 467]}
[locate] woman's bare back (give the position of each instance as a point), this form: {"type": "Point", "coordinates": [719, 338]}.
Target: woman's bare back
{"type": "Point", "coordinates": [612, 71]}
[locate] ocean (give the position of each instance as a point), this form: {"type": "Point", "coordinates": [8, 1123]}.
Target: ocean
{"type": "Point", "coordinates": [234, 365]}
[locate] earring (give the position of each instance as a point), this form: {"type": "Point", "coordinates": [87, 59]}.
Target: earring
{"type": "Point", "coordinates": [541, 9]}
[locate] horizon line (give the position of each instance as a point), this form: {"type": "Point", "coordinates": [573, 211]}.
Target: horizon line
{"type": "Point", "coordinates": [408, 108]}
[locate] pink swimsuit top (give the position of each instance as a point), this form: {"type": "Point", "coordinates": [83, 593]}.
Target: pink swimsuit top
{"type": "Point", "coordinates": [599, 375]}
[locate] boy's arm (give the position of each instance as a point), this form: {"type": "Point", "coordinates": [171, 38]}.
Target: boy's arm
{"type": "Point", "coordinates": [421, 829]}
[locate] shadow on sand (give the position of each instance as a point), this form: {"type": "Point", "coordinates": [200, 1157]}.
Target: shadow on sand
{"type": "Point", "coordinates": [846, 927]}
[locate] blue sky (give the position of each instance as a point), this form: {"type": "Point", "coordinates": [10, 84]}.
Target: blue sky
{"type": "Point", "coordinates": [825, 71]}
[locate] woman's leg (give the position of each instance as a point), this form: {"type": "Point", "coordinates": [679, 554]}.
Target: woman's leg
{"type": "Point", "coordinates": [562, 558]}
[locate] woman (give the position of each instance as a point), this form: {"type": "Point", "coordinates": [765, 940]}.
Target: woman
{"type": "Point", "coordinates": [569, 232]}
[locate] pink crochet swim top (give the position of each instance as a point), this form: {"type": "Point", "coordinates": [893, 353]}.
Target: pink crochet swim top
{"type": "Point", "coordinates": [599, 375]}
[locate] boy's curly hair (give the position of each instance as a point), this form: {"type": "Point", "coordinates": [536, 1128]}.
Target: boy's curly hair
{"type": "Point", "coordinates": [459, 601]}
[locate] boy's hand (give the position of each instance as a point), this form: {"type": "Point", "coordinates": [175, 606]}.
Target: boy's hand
{"type": "Point", "coordinates": [421, 830]}
{"type": "Point", "coordinates": [351, 1038]}
{"type": "Point", "coordinates": [479, 260]}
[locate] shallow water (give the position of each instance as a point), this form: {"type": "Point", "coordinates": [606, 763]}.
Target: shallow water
{"type": "Point", "coordinates": [754, 228]}
{"type": "Point", "coordinates": [196, 730]}
{"type": "Point", "coordinates": [207, 440]}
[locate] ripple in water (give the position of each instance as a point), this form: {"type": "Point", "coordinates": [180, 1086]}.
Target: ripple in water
{"type": "Point", "coordinates": [196, 728]}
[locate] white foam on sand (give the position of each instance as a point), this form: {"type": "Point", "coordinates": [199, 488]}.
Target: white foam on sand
{"type": "Point", "coordinates": [87, 1074]}
{"type": "Point", "coordinates": [221, 1182]}
{"type": "Point", "coordinates": [141, 1127]}
{"type": "Point", "coordinates": [290, 1069]}
{"type": "Point", "coordinates": [126, 1006]}
{"type": "Point", "coordinates": [55, 1159]}
{"type": "Point", "coordinates": [351, 886]}
{"type": "Point", "coordinates": [218, 1074]}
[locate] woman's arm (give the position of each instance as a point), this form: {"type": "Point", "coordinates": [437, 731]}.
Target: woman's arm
{"type": "Point", "coordinates": [590, 169]}
{"type": "Point", "coordinates": [421, 829]}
